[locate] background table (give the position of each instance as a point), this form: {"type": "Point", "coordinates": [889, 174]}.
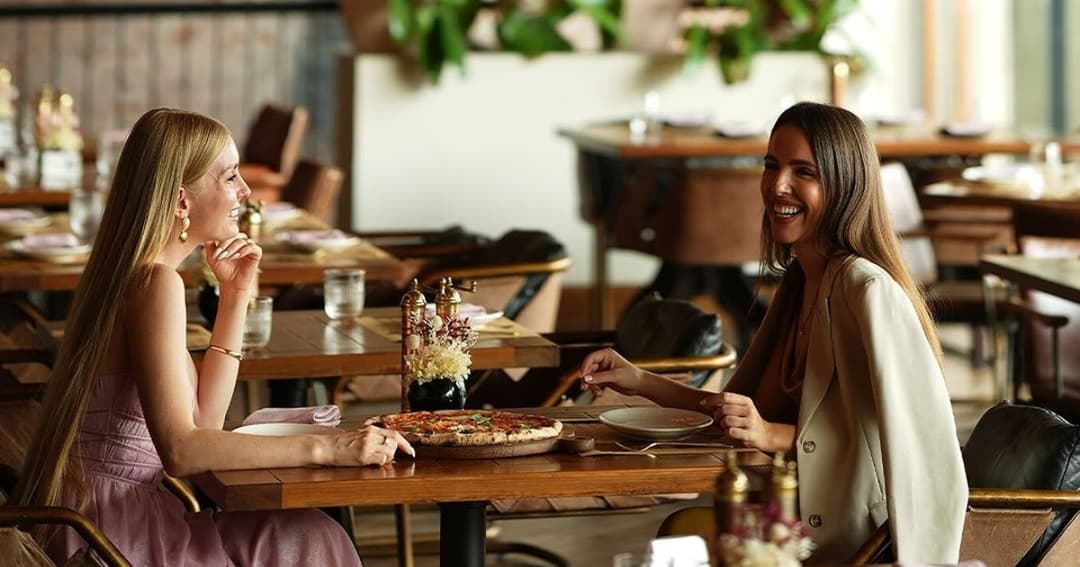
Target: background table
{"type": "Point", "coordinates": [1056, 276]}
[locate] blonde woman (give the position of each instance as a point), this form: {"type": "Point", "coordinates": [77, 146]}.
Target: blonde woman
{"type": "Point", "coordinates": [845, 371]}
{"type": "Point", "coordinates": [125, 402]}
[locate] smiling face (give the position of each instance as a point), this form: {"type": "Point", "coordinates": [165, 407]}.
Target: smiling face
{"type": "Point", "coordinates": [214, 200]}
{"type": "Point", "coordinates": [791, 189]}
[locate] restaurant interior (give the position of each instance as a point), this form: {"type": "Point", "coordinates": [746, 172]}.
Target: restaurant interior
{"type": "Point", "coordinates": [562, 176]}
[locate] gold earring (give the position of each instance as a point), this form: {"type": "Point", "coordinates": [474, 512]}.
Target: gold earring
{"type": "Point", "coordinates": [184, 225]}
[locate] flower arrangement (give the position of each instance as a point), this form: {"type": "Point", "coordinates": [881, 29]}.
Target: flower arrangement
{"type": "Point", "coordinates": [439, 349]}
{"type": "Point", "coordinates": [765, 540]}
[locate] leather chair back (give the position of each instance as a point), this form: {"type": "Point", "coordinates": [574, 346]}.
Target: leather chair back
{"type": "Point", "coordinates": [660, 328]}
{"type": "Point", "coordinates": [275, 137]}
{"type": "Point", "coordinates": [1025, 447]}
{"type": "Point", "coordinates": [526, 247]}
{"type": "Point", "coordinates": [314, 187]}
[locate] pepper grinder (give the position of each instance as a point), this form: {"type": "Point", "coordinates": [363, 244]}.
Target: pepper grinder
{"type": "Point", "coordinates": [252, 219]}
{"type": "Point", "coordinates": [729, 496]}
{"type": "Point", "coordinates": [413, 303]}
{"type": "Point", "coordinates": [784, 488]}
{"type": "Point", "coordinates": [448, 299]}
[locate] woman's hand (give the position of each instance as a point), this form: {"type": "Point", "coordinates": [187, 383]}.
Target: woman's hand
{"type": "Point", "coordinates": [235, 263]}
{"type": "Point", "coordinates": [740, 420]}
{"type": "Point", "coordinates": [368, 445]}
{"type": "Point", "coordinates": [608, 369]}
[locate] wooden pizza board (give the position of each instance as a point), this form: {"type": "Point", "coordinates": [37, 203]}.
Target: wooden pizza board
{"type": "Point", "coordinates": [487, 451]}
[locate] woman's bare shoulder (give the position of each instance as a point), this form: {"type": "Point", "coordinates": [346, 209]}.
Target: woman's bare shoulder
{"type": "Point", "coordinates": [160, 284]}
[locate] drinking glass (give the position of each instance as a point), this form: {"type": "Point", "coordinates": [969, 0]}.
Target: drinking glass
{"type": "Point", "coordinates": [259, 322]}
{"type": "Point", "coordinates": [85, 213]}
{"type": "Point", "coordinates": [343, 293]}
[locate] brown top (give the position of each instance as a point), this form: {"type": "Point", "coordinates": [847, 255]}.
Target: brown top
{"type": "Point", "coordinates": [778, 393]}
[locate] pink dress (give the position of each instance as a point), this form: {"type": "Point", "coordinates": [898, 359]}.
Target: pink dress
{"type": "Point", "coordinates": [150, 525]}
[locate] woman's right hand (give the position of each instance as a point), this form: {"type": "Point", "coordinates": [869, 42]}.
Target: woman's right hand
{"type": "Point", "coordinates": [608, 369]}
{"type": "Point", "coordinates": [368, 445]}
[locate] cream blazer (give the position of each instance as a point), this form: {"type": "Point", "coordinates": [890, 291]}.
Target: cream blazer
{"type": "Point", "coordinates": [876, 438]}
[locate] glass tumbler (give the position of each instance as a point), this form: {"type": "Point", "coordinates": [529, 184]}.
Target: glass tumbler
{"type": "Point", "coordinates": [343, 293]}
{"type": "Point", "coordinates": [259, 322]}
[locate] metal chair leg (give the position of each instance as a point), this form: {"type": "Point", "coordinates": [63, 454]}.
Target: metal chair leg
{"type": "Point", "coordinates": [404, 535]}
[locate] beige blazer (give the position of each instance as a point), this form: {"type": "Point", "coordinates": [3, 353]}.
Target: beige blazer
{"type": "Point", "coordinates": [876, 438]}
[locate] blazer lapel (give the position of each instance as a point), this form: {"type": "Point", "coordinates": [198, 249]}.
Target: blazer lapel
{"type": "Point", "coordinates": [821, 361]}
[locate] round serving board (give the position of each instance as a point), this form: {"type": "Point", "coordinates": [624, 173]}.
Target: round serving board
{"type": "Point", "coordinates": [486, 451]}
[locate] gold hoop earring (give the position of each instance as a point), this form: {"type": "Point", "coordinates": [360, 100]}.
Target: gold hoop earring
{"type": "Point", "coordinates": [184, 225]}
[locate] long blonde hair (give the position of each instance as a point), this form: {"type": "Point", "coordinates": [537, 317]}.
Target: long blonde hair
{"type": "Point", "coordinates": [854, 219]}
{"type": "Point", "coordinates": [165, 150]}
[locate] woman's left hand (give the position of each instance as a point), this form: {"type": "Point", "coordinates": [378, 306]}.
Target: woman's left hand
{"type": "Point", "coordinates": [235, 262]}
{"type": "Point", "coordinates": [740, 420]}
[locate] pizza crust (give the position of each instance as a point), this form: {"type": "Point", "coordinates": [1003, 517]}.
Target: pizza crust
{"type": "Point", "coordinates": [469, 428]}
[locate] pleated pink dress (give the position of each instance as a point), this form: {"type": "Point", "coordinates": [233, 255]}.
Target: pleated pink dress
{"type": "Point", "coordinates": [150, 525]}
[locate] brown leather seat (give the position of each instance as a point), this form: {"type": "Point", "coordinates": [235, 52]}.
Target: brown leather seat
{"type": "Point", "coordinates": [273, 145]}
{"type": "Point", "coordinates": [314, 187]}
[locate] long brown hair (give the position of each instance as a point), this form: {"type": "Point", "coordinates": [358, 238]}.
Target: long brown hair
{"type": "Point", "coordinates": [854, 219]}
{"type": "Point", "coordinates": [165, 150]}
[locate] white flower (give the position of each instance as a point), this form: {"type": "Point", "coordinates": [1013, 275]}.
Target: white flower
{"type": "Point", "coordinates": [436, 323]}
{"type": "Point", "coordinates": [412, 342]}
{"type": "Point", "coordinates": [778, 532]}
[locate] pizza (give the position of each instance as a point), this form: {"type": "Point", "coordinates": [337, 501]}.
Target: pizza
{"type": "Point", "coordinates": [468, 428]}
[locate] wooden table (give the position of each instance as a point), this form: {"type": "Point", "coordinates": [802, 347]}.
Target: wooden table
{"type": "Point", "coordinates": [986, 195]}
{"type": "Point", "coordinates": [667, 196]}
{"type": "Point", "coordinates": [1056, 276]}
{"type": "Point", "coordinates": [462, 487]}
{"type": "Point", "coordinates": [280, 265]}
{"type": "Point", "coordinates": [306, 344]}
{"type": "Point", "coordinates": [34, 197]}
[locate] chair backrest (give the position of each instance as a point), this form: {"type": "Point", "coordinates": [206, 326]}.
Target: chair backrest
{"type": "Point", "coordinates": [906, 215]}
{"type": "Point", "coordinates": [1025, 447]}
{"type": "Point", "coordinates": [660, 328]}
{"type": "Point", "coordinates": [276, 136]}
{"type": "Point", "coordinates": [1049, 232]}
{"type": "Point", "coordinates": [314, 187]}
{"type": "Point", "coordinates": [519, 274]}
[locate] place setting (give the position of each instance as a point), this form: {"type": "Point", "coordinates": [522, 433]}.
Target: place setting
{"type": "Point", "coordinates": [53, 247]}
{"type": "Point", "coordinates": [22, 221]}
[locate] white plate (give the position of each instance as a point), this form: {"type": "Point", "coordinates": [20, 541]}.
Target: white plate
{"type": "Point", "coordinates": [654, 423]}
{"type": "Point", "coordinates": [477, 321]}
{"type": "Point", "coordinates": [279, 429]}
{"type": "Point", "coordinates": [478, 316]}
{"type": "Point", "coordinates": [280, 212]}
{"type": "Point", "coordinates": [22, 226]}
{"type": "Point", "coordinates": [1019, 174]}
{"type": "Point", "coordinates": [741, 130]}
{"type": "Point", "coordinates": [62, 254]}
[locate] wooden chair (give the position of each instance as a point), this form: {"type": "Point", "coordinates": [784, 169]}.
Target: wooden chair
{"type": "Point", "coordinates": [18, 542]}
{"type": "Point", "coordinates": [314, 187]}
{"type": "Point", "coordinates": [1048, 323]}
{"type": "Point", "coordinates": [27, 350]}
{"type": "Point", "coordinates": [949, 301]}
{"type": "Point", "coordinates": [272, 148]}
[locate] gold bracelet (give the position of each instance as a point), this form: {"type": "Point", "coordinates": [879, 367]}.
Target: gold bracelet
{"type": "Point", "coordinates": [226, 352]}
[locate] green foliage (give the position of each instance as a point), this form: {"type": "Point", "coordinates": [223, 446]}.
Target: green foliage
{"type": "Point", "coordinates": [786, 25]}
{"type": "Point", "coordinates": [436, 31]}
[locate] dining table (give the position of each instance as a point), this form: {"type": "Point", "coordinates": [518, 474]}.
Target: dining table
{"type": "Point", "coordinates": [34, 197]}
{"type": "Point", "coordinates": [462, 488]}
{"type": "Point", "coordinates": [689, 197]}
{"type": "Point", "coordinates": [1055, 276]}
{"type": "Point", "coordinates": [308, 344]}
{"type": "Point", "coordinates": [980, 194]}
{"type": "Point", "coordinates": [283, 264]}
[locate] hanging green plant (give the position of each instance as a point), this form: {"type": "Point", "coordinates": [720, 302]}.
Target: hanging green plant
{"type": "Point", "coordinates": [737, 30]}
{"type": "Point", "coordinates": [436, 31]}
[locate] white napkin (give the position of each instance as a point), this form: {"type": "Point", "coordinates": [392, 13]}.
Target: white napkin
{"type": "Point", "coordinates": [684, 551]}
{"type": "Point", "coordinates": [966, 129]}
{"type": "Point", "coordinates": [319, 415]}
{"type": "Point", "coordinates": [464, 310]}
{"type": "Point", "coordinates": [13, 215]}
{"type": "Point", "coordinates": [49, 241]}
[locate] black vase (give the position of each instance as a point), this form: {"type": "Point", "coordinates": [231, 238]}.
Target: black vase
{"type": "Point", "coordinates": [436, 394]}
{"type": "Point", "coordinates": [208, 304]}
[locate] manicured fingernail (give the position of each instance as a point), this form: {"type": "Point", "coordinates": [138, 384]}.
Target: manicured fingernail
{"type": "Point", "coordinates": [588, 378]}
{"type": "Point", "coordinates": [411, 452]}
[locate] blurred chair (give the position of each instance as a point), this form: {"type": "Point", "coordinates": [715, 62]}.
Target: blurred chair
{"type": "Point", "coordinates": [1049, 327]}
{"type": "Point", "coordinates": [314, 187]}
{"type": "Point", "coordinates": [271, 150]}
{"type": "Point", "coordinates": [27, 350]}
{"type": "Point", "coordinates": [949, 301]}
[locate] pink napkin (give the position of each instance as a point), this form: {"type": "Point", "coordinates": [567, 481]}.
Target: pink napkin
{"type": "Point", "coordinates": [49, 241]}
{"type": "Point", "coordinates": [329, 416]}
{"type": "Point", "coordinates": [311, 236]}
{"type": "Point", "coordinates": [11, 215]}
